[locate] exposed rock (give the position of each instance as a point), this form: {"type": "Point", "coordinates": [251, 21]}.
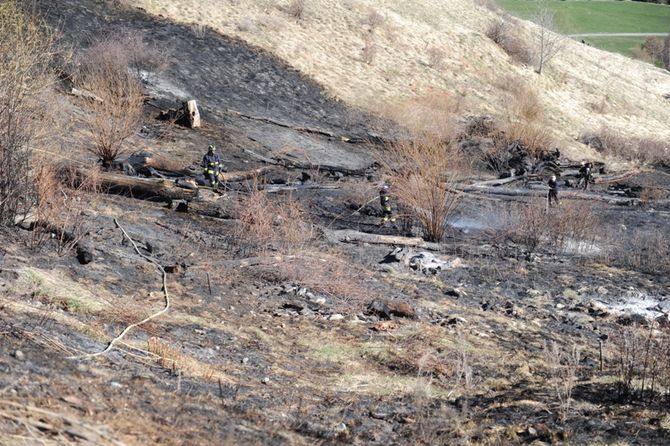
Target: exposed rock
{"type": "Point", "coordinates": [335, 317]}
{"type": "Point", "coordinates": [18, 354]}
{"type": "Point", "coordinates": [384, 309]}
{"type": "Point", "coordinates": [427, 263]}
{"type": "Point", "coordinates": [598, 309]}
{"type": "Point", "coordinates": [84, 254]}
{"type": "Point", "coordinates": [602, 290]}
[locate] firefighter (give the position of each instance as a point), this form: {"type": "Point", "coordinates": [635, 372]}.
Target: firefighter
{"type": "Point", "coordinates": [585, 175]}
{"type": "Point", "coordinates": [552, 195]}
{"type": "Point", "coordinates": [211, 164]}
{"type": "Point", "coordinates": [385, 202]}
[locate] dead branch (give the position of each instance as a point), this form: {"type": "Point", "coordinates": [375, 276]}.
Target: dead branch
{"type": "Point", "coordinates": [351, 236]}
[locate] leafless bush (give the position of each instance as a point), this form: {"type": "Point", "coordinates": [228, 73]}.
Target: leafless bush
{"type": "Point", "coordinates": [523, 120]}
{"type": "Point", "coordinates": [518, 49]}
{"type": "Point", "coordinates": [374, 19]}
{"type": "Point", "coordinates": [533, 224]}
{"type": "Point", "coordinates": [262, 224]}
{"type": "Point", "coordinates": [563, 368]}
{"type": "Point", "coordinates": [296, 9]}
{"type": "Point", "coordinates": [646, 251]}
{"type": "Point", "coordinates": [632, 148]}
{"type": "Point", "coordinates": [110, 70]}
{"type": "Point", "coordinates": [639, 358]}
{"type": "Point", "coordinates": [422, 173]}
{"type": "Point", "coordinates": [27, 48]}
{"type": "Point", "coordinates": [61, 203]}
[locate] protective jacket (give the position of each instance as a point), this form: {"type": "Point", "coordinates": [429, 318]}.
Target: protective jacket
{"type": "Point", "coordinates": [212, 163]}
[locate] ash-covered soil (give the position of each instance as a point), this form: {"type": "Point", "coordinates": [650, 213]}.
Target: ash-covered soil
{"type": "Point", "coordinates": [298, 344]}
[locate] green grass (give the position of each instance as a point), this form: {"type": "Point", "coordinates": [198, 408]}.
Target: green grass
{"type": "Point", "coordinates": [621, 45]}
{"type": "Point", "coordinates": [603, 16]}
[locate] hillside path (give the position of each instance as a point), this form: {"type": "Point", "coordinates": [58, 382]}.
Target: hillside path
{"type": "Point", "coordinates": [619, 35]}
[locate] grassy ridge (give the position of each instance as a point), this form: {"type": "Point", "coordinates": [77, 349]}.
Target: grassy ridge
{"type": "Point", "coordinates": [579, 16]}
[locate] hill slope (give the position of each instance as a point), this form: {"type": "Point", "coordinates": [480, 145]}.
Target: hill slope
{"type": "Point", "coordinates": [378, 54]}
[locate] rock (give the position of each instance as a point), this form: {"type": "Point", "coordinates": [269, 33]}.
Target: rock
{"type": "Point", "coordinates": [265, 380]}
{"type": "Point", "coordinates": [453, 292]}
{"type": "Point", "coordinates": [633, 319]}
{"type": "Point", "coordinates": [18, 354]}
{"type": "Point", "coordinates": [384, 326]}
{"type": "Point", "coordinates": [397, 255]}
{"type": "Point", "coordinates": [386, 308]}
{"type": "Point", "coordinates": [335, 317]}
{"type": "Point", "coordinates": [245, 360]}
{"type": "Point", "coordinates": [602, 290]}
{"type": "Point", "coordinates": [570, 294]}
{"type": "Point", "coordinates": [456, 320]}
{"type": "Point", "coordinates": [151, 248]}
{"type": "Point", "coordinates": [293, 305]}
{"type": "Point", "coordinates": [663, 320]}
{"type": "Point", "coordinates": [598, 309]}
{"type": "Point", "coordinates": [319, 300]}
{"type": "Point", "coordinates": [427, 263]}
{"type": "Point", "coordinates": [560, 306]}
{"type": "Point", "coordinates": [175, 269]}
{"type": "Point", "coordinates": [341, 429]}
{"type": "Point", "coordinates": [84, 254]}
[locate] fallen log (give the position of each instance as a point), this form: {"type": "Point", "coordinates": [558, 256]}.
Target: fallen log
{"type": "Point", "coordinates": [147, 188]}
{"type": "Point", "coordinates": [542, 193]}
{"type": "Point", "coordinates": [307, 166]}
{"type": "Point", "coordinates": [351, 236]}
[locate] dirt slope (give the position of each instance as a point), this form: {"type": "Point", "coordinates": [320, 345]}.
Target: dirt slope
{"type": "Point", "coordinates": [327, 44]}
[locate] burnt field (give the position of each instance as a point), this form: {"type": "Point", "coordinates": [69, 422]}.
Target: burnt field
{"type": "Point", "coordinates": [294, 318]}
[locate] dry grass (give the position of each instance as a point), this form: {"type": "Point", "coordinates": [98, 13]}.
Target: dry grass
{"type": "Point", "coordinates": [329, 273]}
{"type": "Point", "coordinates": [171, 357]}
{"type": "Point", "coordinates": [643, 250]}
{"type": "Point", "coordinates": [638, 357]}
{"type": "Point", "coordinates": [630, 148]}
{"type": "Point", "coordinates": [573, 226]}
{"type": "Point", "coordinates": [503, 32]}
{"type": "Point", "coordinates": [263, 225]}
{"type": "Point", "coordinates": [62, 199]}
{"type": "Point", "coordinates": [330, 52]}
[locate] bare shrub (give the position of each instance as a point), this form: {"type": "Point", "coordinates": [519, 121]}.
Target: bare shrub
{"type": "Point", "coordinates": [563, 368]}
{"type": "Point", "coordinates": [631, 148]}
{"type": "Point", "coordinates": [296, 9]}
{"type": "Point", "coordinates": [523, 121]}
{"type": "Point", "coordinates": [27, 48]}
{"type": "Point", "coordinates": [422, 173]}
{"type": "Point", "coordinates": [61, 204]}
{"type": "Point", "coordinates": [374, 19]}
{"type": "Point", "coordinates": [332, 274]}
{"type": "Point", "coordinates": [263, 225]}
{"type": "Point", "coordinates": [514, 45]}
{"type": "Point", "coordinates": [532, 225]}
{"type": "Point", "coordinates": [115, 113]}
{"type": "Point", "coordinates": [639, 358]}
{"type": "Point", "coordinates": [646, 251]}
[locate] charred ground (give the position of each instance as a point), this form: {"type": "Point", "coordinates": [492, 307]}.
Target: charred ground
{"type": "Point", "coordinates": [283, 346]}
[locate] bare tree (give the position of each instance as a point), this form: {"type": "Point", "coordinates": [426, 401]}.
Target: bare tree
{"type": "Point", "coordinates": [548, 42]}
{"type": "Point", "coordinates": [27, 48]}
{"type": "Point", "coordinates": [665, 57]}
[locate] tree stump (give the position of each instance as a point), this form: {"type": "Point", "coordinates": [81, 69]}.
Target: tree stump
{"type": "Point", "coordinates": [192, 114]}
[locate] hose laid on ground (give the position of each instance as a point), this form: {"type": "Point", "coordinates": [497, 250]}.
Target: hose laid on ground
{"type": "Point", "coordinates": [143, 321]}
